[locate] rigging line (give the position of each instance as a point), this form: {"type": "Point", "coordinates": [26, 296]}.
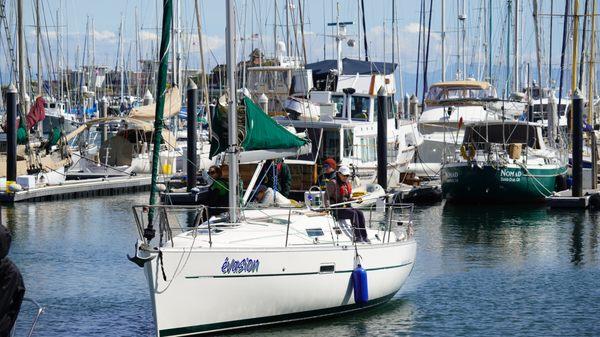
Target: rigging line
{"type": "Point", "coordinates": [583, 45]}
{"type": "Point", "coordinates": [421, 15]}
{"type": "Point", "coordinates": [426, 65]}
{"type": "Point", "coordinates": [563, 49]}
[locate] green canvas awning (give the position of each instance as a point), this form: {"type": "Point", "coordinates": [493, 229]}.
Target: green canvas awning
{"type": "Point", "coordinates": [262, 132]}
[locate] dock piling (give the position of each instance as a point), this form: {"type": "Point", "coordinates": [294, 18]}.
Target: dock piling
{"type": "Point", "coordinates": [192, 103]}
{"type": "Point", "coordinates": [577, 142]}
{"type": "Point", "coordinates": [103, 114]}
{"type": "Point", "coordinates": [382, 115]}
{"type": "Point", "coordinates": [11, 133]}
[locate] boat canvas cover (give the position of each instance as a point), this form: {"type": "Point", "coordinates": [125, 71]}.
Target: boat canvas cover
{"type": "Point", "coordinates": [352, 67]}
{"type": "Point", "coordinates": [502, 133]}
{"type": "Point", "coordinates": [172, 107]}
{"type": "Point", "coordinates": [262, 132]}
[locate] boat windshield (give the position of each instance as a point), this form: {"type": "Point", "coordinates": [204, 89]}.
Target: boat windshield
{"type": "Point", "coordinates": [338, 100]}
{"type": "Point", "coordinates": [458, 93]}
{"type": "Point", "coordinates": [268, 81]}
{"type": "Point", "coordinates": [478, 135]}
{"type": "Point", "coordinates": [359, 108]}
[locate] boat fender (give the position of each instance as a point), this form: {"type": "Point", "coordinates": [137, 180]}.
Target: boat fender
{"type": "Point", "coordinates": [561, 182]}
{"type": "Point", "coordinates": [595, 201]}
{"type": "Point", "coordinates": [359, 283]}
{"type": "Point", "coordinates": [472, 151]}
{"type": "Point", "coordinates": [463, 152]}
{"type": "Point", "coordinates": [470, 155]}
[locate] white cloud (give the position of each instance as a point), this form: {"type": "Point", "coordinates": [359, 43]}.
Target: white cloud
{"type": "Point", "coordinates": [105, 36]}
{"type": "Point", "coordinates": [212, 42]}
{"type": "Point", "coordinates": [412, 27]}
{"type": "Point", "coordinates": [148, 36]}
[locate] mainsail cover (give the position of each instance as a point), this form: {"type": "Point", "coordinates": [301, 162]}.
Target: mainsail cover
{"type": "Point", "coordinates": [172, 107]}
{"type": "Point", "coordinates": [262, 132]}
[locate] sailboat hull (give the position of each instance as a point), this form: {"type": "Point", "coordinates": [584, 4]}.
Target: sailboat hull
{"type": "Point", "coordinates": [463, 182]}
{"type": "Point", "coordinates": [267, 286]}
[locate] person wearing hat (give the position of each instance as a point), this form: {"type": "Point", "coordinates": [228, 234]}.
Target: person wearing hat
{"type": "Point", "coordinates": [339, 190]}
{"type": "Point", "coordinates": [266, 196]}
{"type": "Point", "coordinates": [218, 192]}
{"type": "Point", "coordinates": [329, 167]}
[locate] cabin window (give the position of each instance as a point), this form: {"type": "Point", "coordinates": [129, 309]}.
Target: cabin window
{"type": "Point", "coordinates": [338, 100]}
{"type": "Point", "coordinates": [312, 232]}
{"type": "Point", "coordinates": [368, 149]}
{"type": "Point", "coordinates": [348, 143]}
{"type": "Point", "coordinates": [392, 152]}
{"type": "Point", "coordinates": [268, 81]}
{"type": "Point", "coordinates": [359, 109]}
{"type": "Point", "coordinates": [331, 144]}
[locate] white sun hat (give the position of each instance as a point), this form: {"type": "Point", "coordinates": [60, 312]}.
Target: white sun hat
{"type": "Point", "coordinates": [344, 170]}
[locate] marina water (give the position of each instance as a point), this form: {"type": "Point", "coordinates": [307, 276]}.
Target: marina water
{"type": "Point", "coordinates": [480, 270]}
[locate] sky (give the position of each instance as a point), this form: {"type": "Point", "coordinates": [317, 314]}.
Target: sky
{"type": "Point", "coordinates": [255, 18]}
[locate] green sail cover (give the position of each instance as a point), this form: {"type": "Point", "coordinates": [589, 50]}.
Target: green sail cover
{"type": "Point", "coordinates": [262, 132]}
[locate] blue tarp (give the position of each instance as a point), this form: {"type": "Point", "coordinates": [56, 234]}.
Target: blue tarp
{"type": "Point", "coordinates": [352, 67]}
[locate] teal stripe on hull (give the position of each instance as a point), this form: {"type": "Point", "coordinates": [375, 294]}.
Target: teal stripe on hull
{"type": "Point", "coordinates": [498, 184]}
{"type": "Point", "coordinates": [246, 323]}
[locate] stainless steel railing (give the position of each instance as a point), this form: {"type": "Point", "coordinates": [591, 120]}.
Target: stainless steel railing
{"type": "Point", "coordinates": [170, 220]}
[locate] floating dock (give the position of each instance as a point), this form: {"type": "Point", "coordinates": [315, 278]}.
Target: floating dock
{"type": "Point", "coordinates": [80, 188]}
{"type": "Point", "coordinates": [564, 199]}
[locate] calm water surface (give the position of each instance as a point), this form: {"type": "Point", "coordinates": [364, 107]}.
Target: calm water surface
{"type": "Point", "coordinates": [491, 271]}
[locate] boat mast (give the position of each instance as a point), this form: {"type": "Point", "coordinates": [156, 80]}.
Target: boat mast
{"type": "Point", "coordinates": [462, 17]}
{"type": "Point", "coordinates": [538, 53]}
{"type": "Point", "coordinates": [21, 42]}
{"type": "Point", "coordinates": [443, 42]}
{"type": "Point", "coordinates": [122, 62]}
{"type": "Point", "coordinates": [563, 49]}
{"type": "Point", "coordinates": [517, 52]}
{"type": "Point", "coordinates": [574, 59]}
{"type": "Point", "coordinates": [575, 44]}
{"type": "Point", "coordinates": [550, 44]}
{"type": "Point", "coordinates": [161, 89]}
{"type": "Point", "coordinates": [287, 27]}
{"type": "Point", "coordinates": [232, 125]}
{"type": "Point", "coordinates": [508, 68]}
{"type": "Point", "coordinates": [202, 64]}
{"type": "Point", "coordinates": [364, 26]}
{"type": "Point", "coordinates": [490, 50]}
{"type": "Point", "coordinates": [338, 40]}
{"type": "Point", "coordinates": [275, 31]}
{"type": "Point", "coordinates": [38, 36]}
{"type": "Point", "coordinates": [591, 69]}
{"type": "Point", "coordinates": [426, 64]}
{"type": "Point", "coordinates": [582, 56]}
{"type": "Point", "coordinates": [92, 83]}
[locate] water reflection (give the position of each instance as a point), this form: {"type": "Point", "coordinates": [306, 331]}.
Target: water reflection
{"type": "Point", "coordinates": [480, 270]}
{"type": "Point", "coordinates": [577, 239]}
{"type": "Point", "coordinates": [397, 317]}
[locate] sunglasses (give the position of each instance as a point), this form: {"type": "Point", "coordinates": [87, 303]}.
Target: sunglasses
{"type": "Point", "coordinates": [212, 172]}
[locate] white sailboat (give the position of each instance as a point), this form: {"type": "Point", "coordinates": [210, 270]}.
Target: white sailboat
{"type": "Point", "coordinates": [267, 265]}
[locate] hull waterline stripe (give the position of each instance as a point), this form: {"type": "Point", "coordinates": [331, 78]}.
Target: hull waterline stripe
{"type": "Point", "coordinates": [295, 274]}
{"type": "Point", "coordinates": [246, 323]}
